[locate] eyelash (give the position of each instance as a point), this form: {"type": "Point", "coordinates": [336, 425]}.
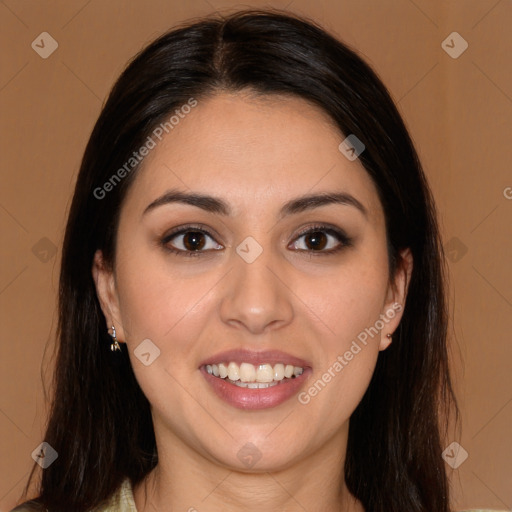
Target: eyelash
{"type": "Point", "coordinates": [344, 240]}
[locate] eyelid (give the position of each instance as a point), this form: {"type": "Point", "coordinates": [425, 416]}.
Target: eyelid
{"type": "Point", "coordinates": [184, 229]}
{"type": "Point", "coordinates": [321, 226]}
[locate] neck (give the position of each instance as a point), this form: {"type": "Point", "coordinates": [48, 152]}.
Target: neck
{"type": "Point", "coordinates": [199, 484]}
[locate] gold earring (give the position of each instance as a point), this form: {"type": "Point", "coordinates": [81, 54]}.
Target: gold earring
{"type": "Point", "coordinates": [115, 344]}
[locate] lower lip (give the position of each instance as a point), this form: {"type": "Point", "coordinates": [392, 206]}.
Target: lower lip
{"type": "Point", "coordinates": [254, 399]}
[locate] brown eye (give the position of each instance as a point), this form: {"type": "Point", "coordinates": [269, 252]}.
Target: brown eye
{"type": "Point", "coordinates": [193, 240]}
{"type": "Point", "coordinates": [190, 241]}
{"type": "Point", "coordinates": [321, 240]}
{"type": "Point", "coordinates": [316, 240]}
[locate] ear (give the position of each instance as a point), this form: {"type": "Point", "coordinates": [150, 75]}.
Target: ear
{"type": "Point", "coordinates": [107, 294]}
{"type": "Point", "coordinates": [396, 296]}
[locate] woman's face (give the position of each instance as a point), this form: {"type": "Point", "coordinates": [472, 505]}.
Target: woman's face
{"type": "Point", "coordinates": [258, 285]}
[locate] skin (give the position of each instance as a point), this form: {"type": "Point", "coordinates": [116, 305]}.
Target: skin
{"type": "Point", "coordinates": [255, 153]}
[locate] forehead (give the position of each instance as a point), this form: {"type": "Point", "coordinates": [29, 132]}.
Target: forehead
{"type": "Point", "coordinates": [243, 147]}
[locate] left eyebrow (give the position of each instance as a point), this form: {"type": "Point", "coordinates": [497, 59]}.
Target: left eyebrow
{"type": "Point", "coordinates": [308, 202]}
{"type": "Point", "coordinates": [218, 206]}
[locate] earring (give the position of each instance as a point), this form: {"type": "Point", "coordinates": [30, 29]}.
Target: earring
{"type": "Point", "coordinates": [115, 344]}
{"type": "Point", "coordinates": [389, 335]}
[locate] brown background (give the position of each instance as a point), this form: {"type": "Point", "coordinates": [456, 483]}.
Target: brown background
{"type": "Point", "coordinates": [459, 112]}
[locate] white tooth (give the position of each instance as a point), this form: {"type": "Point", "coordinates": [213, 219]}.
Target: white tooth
{"type": "Point", "coordinates": [223, 371]}
{"type": "Point", "coordinates": [265, 373]}
{"type": "Point", "coordinates": [233, 372]}
{"type": "Point", "coordinates": [297, 371]}
{"type": "Point", "coordinates": [209, 368]}
{"type": "Point", "coordinates": [256, 385]}
{"type": "Point", "coordinates": [247, 372]}
{"type": "Point", "coordinates": [279, 371]}
{"type": "Point", "coordinates": [288, 371]}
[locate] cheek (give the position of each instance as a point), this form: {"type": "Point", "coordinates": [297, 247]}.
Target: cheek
{"type": "Point", "coordinates": [348, 304]}
{"type": "Point", "coordinates": [350, 298]}
{"type": "Point", "coordinates": [156, 298]}
{"type": "Point", "coordinates": [159, 303]}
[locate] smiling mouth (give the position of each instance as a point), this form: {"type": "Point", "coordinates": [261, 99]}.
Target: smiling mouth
{"type": "Point", "coordinates": [247, 375]}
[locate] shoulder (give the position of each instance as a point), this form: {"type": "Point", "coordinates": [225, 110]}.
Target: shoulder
{"type": "Point", "coordinates": [121, 501]}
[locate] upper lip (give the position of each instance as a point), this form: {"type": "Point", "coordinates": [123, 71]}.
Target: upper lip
{"type": "Point", "coordinates": [255, 357]}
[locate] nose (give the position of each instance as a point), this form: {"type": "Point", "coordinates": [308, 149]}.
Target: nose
{"type": "Point", "coordinates": [257, 296]}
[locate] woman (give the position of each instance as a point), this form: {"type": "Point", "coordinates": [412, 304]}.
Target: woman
{"type": "Point", "coordinates": [252, 311]}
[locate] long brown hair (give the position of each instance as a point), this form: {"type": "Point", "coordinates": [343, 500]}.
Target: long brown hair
{"type": "Point", "coordinates": [100, 421]}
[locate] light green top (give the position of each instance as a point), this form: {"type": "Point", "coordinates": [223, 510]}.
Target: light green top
{"type": "Point", "coordinates": [122, 501]}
